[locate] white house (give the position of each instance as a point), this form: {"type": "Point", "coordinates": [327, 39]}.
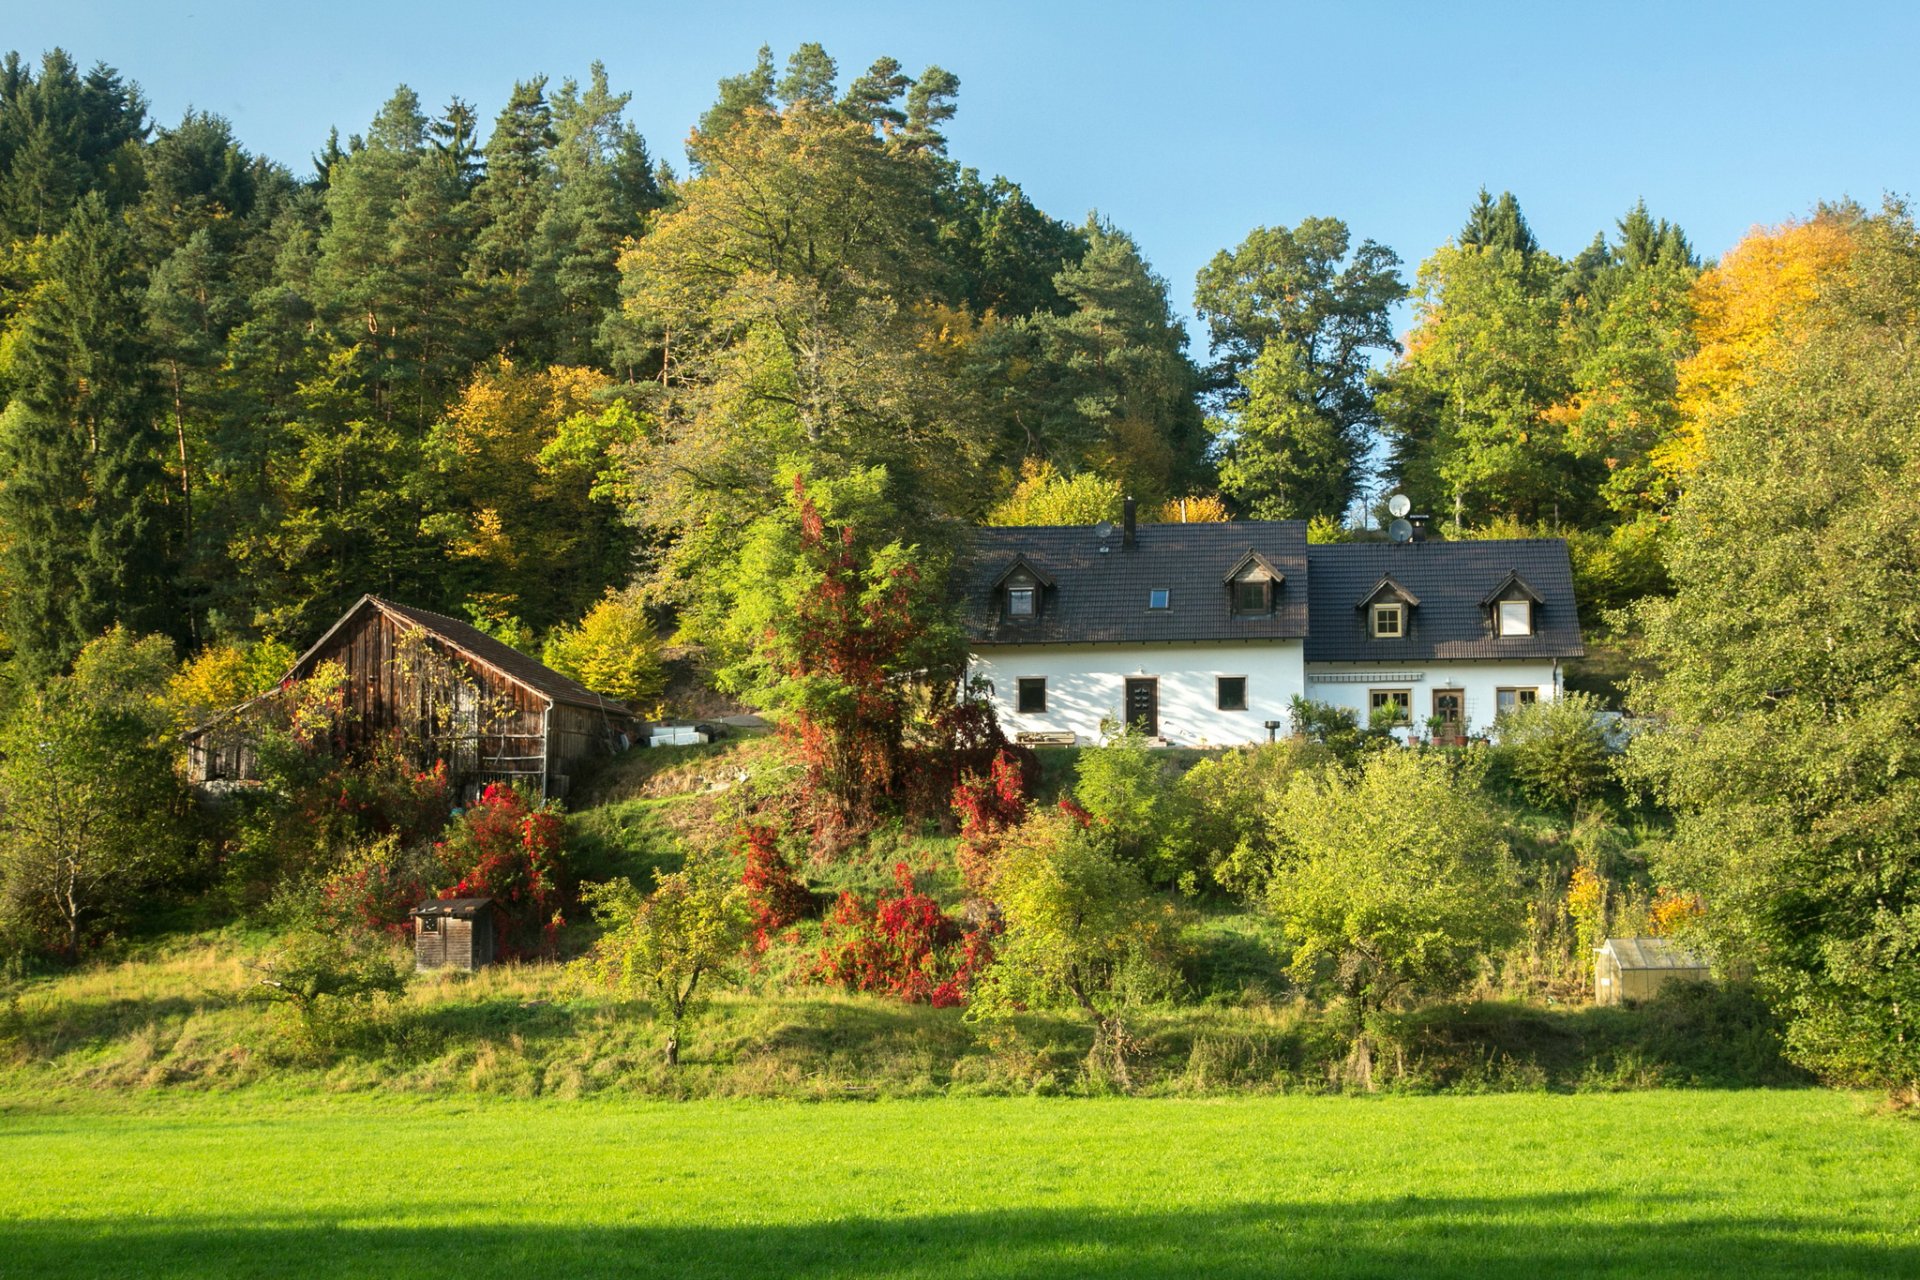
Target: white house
{"type": "Point", "coordinates": [1203, 634]}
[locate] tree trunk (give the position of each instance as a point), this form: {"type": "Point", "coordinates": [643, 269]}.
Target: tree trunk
{"type": "Point", "coordinates": [673, 1049]}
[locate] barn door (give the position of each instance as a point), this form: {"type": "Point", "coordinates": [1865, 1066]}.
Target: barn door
{"type": "Point", "coordinates": [1143, 706]}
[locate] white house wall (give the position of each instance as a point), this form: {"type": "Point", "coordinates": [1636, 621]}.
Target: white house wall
{"type": "Point", "coordinates": [1086, 684]}
{"type": "Point", "coordinates": [1347, 684]}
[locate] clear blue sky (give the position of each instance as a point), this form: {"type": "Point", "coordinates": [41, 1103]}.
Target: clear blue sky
{"type": "Point", "coordinates": [1186, 124]}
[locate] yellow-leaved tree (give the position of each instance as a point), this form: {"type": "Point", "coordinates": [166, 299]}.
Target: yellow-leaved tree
{"type": "Point", "coordinates": [614, 650]}
{"type": "Point", "coordinates": [530, 461]}
{"type": "Point", "coordinates": [1750, 311]}
{"type": "Point", "coordinates": [1046, 497]}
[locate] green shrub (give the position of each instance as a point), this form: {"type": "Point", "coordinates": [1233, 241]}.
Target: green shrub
{"type": "Point", "coordinates": [1126, 786]}
{"type": "Point", "coordinates": [1554, 751]}
{"type": "Point", "coordinates": [326, 989]}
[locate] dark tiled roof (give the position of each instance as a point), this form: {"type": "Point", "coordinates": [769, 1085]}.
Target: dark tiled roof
{"type": "Point", "coordinates": [1450, 579]}
{"type": "Point", "coordinates": [509, 661]}
{"type": "Point", "coordinates": [1101, 598]}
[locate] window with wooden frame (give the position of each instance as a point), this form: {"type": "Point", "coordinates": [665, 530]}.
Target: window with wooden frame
{"type": "Point", "coordinates": [1513, 618]}
{"type": "Point", "coordinates": [1401, 700]}
{"type": "Point", "coordinates": [1389, 621]}
{"type": "Point", "coordinates": [1230, 693]}
{"type": "Point", "coordinates": [1022, 602]}
{"type": "Point", "coordinates": [1252, 598]}
{"type": "Point", "coordinates": [1506, 699]}
{"type": "Point", "coordinates": [1032, 698]}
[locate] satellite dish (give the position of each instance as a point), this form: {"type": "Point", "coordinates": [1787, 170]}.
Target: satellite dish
{"type": "Point", "coordinates": [1398, 505]}
{"type": "Point", "coordinates": [1400, 531]}
{"type": "Point", "coordinates": [1103, 530]}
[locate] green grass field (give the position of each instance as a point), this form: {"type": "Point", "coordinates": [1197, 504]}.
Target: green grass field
{"type": "Point", "coordinates": [1751, 1184]}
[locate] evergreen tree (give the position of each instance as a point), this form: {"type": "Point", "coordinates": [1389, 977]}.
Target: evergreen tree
{"type": "Point", "coordinates": [86, 535]}
{"type": "Point", "coordinates": [513, 195]}
{"type": "Point", "coordinates": [811, 78]}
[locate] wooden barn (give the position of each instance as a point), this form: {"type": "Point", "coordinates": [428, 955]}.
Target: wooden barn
{"type": "Point", "coordinates": [445, 689]}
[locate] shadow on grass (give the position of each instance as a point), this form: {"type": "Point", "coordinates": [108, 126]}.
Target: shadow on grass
{"type": "Point", "coordinates": [51, 1027]}
{"type": "Point", "coordinates": [1479, 1237]}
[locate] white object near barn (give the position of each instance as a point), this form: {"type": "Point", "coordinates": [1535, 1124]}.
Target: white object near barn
{"type": "Point", "coordinates": [1636, 968]}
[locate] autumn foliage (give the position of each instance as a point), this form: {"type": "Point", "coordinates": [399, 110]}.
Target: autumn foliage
{"type": "Point", "coordinates": [848, 636]}
{"type": "Point", "coordinates": [987, 807]}
{"type": "Point", "coordinates": [903, 945]}
{"type": "Point", "coordinates": [776, 898]}
{"type": "Point", "coordinates": [508, 848]}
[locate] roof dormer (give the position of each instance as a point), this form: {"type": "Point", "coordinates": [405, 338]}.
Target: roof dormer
{"type": "Point", "coordinates": [1389, 609]}
{"type": "Point", "coordinates": [1511, 606]}
{"type": "Point", "coordinates": [1020, 590]}
{"type": "Point", "coordinates": [1253, 584]}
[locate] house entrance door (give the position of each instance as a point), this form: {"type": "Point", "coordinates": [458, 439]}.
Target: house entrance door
{"type": "Point", "coordinates": [1143, 706]}
{"type": "Point", "coordinates": [1449, 707]}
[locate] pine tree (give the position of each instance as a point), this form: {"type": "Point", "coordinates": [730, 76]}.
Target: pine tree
{"type": "Point", "coordinates": [87, 538]}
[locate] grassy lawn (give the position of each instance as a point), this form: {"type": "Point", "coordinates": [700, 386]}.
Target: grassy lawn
{"type": "Point", "coordinates": [1787, 1183]}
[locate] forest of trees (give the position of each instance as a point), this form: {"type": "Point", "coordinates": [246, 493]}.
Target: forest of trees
{"type": "Point", "coordinates": [506, 371]}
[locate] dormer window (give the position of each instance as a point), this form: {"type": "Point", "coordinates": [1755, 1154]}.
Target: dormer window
{"type": "Point", "coordinates": [1388, 610]}
{"type": "Point", "coordinates": [1021, 590]}
{"type": "Point", "coordinates": [1252, 584]}
{"type": "Point", "coordinates": [1510, 605]}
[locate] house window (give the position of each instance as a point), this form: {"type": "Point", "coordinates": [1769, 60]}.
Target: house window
{"type": "Point", "coordinates": [1231, 693]}
{"type": "Point", "coordinates": [428, 924]}
{"type": "Point", "coordinates": [1508, 699]}
{"type": "Point", "coordinates": [1158, 598]}
{"type": "Point", "coordinates": [1514, 618]}
{"type": "Point", "coordinates": [1021, 602]}
{"type": "Point", "coordinates": [1033, 695]}
{"type": "Point", "coordinates": [1251, 599]}
{"type": "Point", "coordinates": [1389, 621]}
{"type": "Point", "coordinates": [1401, 700]}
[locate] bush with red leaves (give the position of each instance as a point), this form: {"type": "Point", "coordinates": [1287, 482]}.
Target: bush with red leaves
{"type": "Point", "coordinates": [510, 849]}
{"type": "Point", "coordinates": [987, 808]}
{"type": "Point", "coordinates": [905, 946]}
{"type": "Point", "coordinates": [775, 895]}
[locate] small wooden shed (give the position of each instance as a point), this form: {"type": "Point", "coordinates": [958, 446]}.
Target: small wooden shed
{"type": "Point", "coordinates": [453, 933]}
{"type": "Point", "coordinates": [1636, 968]}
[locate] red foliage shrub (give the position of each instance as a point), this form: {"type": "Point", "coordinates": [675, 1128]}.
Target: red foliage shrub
{"type": "Point", "coordinates": [375, 887]}
{"type": "Point", "coordinates": [507, 848]}
{"type": "Point", "coordinates": [839, 652]}
{"type": "Point", "coordinates": [775, 895]}
{"type": "Point", "coordinates": [987, 807]}
{"type": "Point", "coordinates": [963, 740]}
{"type": "Point", "coordinates": [905, 946]}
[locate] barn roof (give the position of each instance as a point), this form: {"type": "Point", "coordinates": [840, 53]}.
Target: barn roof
{"type": "Point", "coordinates": [1650, 953]}
{"type": "Point", "coordinates": [1097, 589]}
{"type": "Point", "coordinates": [1450, 587]}
{"type": "Point", "coordinates": [477, 645]}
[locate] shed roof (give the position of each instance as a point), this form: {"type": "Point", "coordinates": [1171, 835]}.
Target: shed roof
{"type": "Point", "coordinates": [1650, 953]}
{"type": "Point", "coordinates": [1099, 596]}
{"type": "Point", "coordinates": [1448, 585]}
{"type": "Point", "coordinates": [476, 644]}
{"type": "Point", "coordinates": [458, 908]}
